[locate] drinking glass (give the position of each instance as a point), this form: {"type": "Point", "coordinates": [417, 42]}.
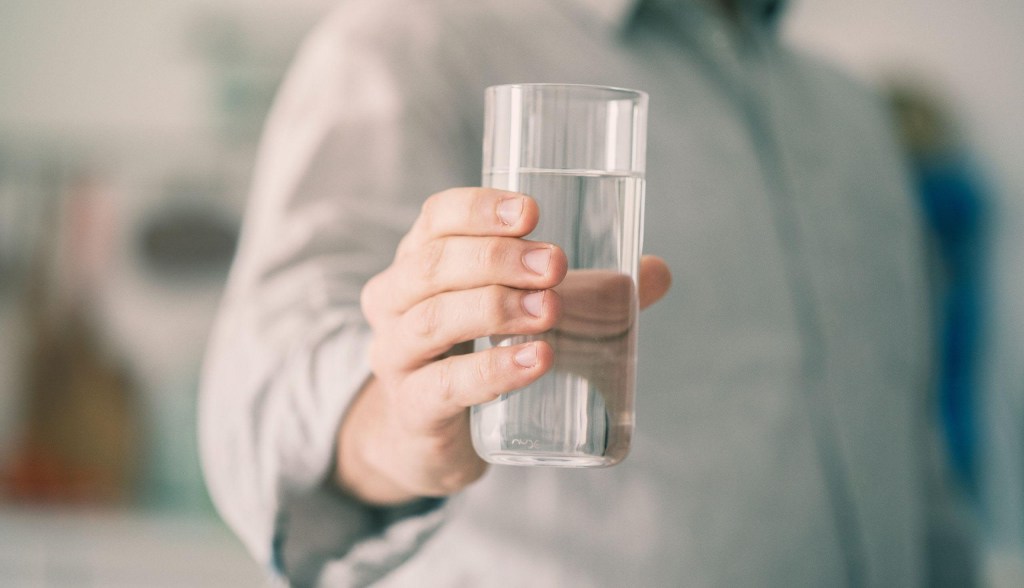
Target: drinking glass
{"type": "Point", "coordinates": [579, 151]}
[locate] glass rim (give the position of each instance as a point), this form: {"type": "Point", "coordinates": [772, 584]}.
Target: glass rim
{"type": "Point", "coordinates": [556, 85]}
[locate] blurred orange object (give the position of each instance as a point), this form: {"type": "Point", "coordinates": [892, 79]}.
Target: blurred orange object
{"type": "Point", "coordinates": [80, 439]}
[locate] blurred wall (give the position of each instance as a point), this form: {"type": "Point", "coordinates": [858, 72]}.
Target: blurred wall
{"type": "Point", "coordinates": [970, 50]}
{"type": "Point", "coordinates": [121, 68]}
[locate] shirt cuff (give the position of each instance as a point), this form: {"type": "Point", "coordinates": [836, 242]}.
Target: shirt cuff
{"type": "Point", "coordinates": [331, 539]}
{"type": "Point", "coordinates": [322, 535]}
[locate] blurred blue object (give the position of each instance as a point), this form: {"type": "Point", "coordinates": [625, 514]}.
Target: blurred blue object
{"type": "Point", "coordinates": [954, 205]}
{"type": "Point", "coordinates": [951, 197]}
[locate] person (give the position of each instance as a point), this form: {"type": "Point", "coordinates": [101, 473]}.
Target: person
{"type": "Point", "coordinates": [782, 437]}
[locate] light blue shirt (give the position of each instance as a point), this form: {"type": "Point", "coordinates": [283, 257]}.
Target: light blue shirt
{"type": "Point", "coordinates": [782, 415]}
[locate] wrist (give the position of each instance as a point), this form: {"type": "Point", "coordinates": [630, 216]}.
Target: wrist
{"type": "Point", "coordinates": [356, 472]}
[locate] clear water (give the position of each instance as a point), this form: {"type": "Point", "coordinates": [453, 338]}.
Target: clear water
{"type": "Point", "coordinates": [580, 414]}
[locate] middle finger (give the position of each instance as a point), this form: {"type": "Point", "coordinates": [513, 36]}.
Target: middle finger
{"type": "Point", "coordinates": [435, 325]}
{"type": "Point", "coordinates": [462, 263]}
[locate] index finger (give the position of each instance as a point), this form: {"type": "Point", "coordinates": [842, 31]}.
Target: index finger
{"type": "Point", "coordinates": [473, 212]}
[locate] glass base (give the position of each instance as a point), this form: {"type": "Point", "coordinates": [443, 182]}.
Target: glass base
{"type": "Point", "coordinates": [549, 460]}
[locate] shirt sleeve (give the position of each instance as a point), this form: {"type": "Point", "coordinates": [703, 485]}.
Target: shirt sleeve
{"type": "Point", "coordinates": [347, 157]}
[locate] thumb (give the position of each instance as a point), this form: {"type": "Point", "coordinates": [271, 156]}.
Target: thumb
{"type": "Point", "coordinates": [655, 280]}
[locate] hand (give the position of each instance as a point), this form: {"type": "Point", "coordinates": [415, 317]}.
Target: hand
{"type": "Point", "coordinates": [462, 272]}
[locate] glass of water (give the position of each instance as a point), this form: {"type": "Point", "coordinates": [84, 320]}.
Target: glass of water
{"type": "Point", "coordinates": [579, 151]}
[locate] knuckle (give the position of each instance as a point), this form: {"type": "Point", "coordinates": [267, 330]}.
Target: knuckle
{"type": "Point", "coordinates": [432, 259]}
{"type": "Point", "coordinates": [429, 205]}
{"type": "Point", "coordinates": [479, 196]}
{"type": "Point", "coordinates": [425, 319]}
{"type": "Point", "coordinates": [368, 298]}
{"type": "Point", "coordinates": [406, 244]}
{"type": "Point", "coordinates": [485, 369]}
{"type": "Point", "coordinates": [445, 383]}
{"type": "Point", "coordinates": [482, 205]}
{"type": "Point", "coordinates": [492, 253]}
{"type": "Point", "coordinates": [493, 305]}
{"type": "Point", "coordinates": [429, 212]}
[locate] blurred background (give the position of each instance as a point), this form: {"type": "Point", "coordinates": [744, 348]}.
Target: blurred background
{"type": "Point", "coordinates": [128, 129]}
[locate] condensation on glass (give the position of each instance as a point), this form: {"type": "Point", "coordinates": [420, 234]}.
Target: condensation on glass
{"type": "Point", "coordinates": [579, 151]}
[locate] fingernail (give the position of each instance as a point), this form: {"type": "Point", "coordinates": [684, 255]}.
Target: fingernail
{"type": "Point", "coordinates": [537, 260]}
{"type": "Point", "coordinates": [534, 303]}
{"type": "Point", "coordinates": [527, 356]}
{"type": "Point", "coordinates": [509, 210]}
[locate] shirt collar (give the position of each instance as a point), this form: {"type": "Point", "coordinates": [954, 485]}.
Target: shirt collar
{"type": "Point", "coordinates": [614, 13]}
{"type": "Point", "coordinates": [617, 14]}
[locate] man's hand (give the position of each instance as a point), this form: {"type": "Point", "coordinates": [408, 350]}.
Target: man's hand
{"type": "Point", "coordinates": [462, 272]}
